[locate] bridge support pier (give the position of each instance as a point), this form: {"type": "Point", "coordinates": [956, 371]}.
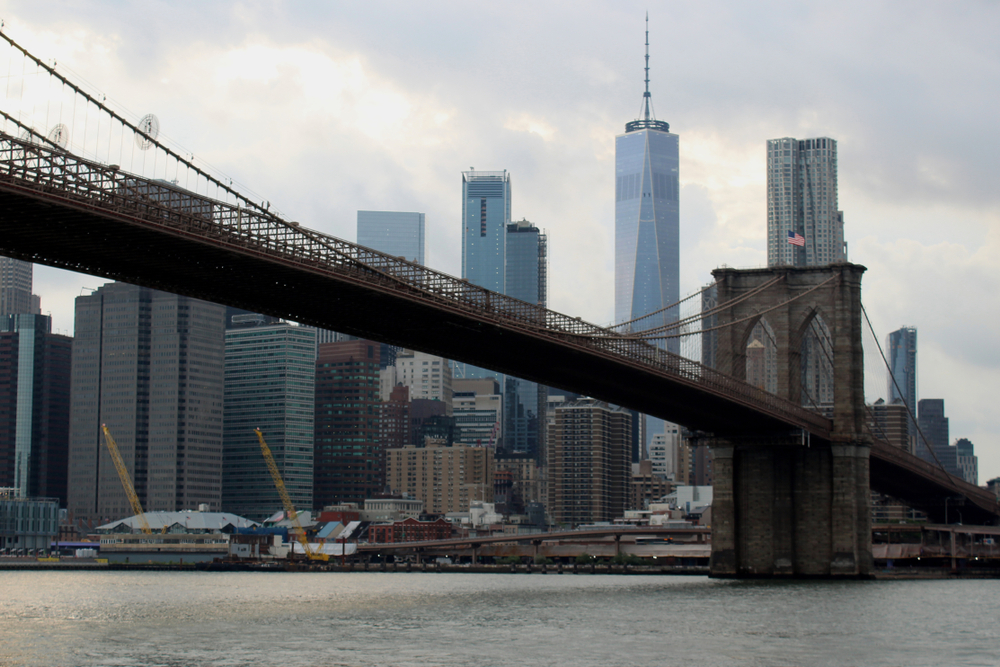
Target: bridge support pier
{"type": "Point", "coordinates": [791, 511]}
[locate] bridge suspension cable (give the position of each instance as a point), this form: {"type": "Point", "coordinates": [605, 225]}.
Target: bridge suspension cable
{"type": "Point", "coordinates": [647, 333]}
{"type": "Point", "coordinates": [912, 420]}
{"type": "Point", "coordinates": [741, 320]}
{"type": "Point", "coordinates": [66, 126]}
{"type": "Point", "coordinates": [665, 308]}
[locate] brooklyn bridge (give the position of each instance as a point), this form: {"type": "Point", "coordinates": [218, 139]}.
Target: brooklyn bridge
{"type": "Point", "coordinates": [793, 485]}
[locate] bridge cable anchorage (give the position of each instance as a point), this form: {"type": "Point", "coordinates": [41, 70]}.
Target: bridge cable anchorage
{"type": "Point", "coordinates": [100, 105]}
{"type": "Point", "coordinates": [734, 322]}
{"type": "Point", "coordinates": [706, 313]}
{"type": "Point", "coordinates": [665, 308]}
{"type": "Point", "coordinates": [909, 414]}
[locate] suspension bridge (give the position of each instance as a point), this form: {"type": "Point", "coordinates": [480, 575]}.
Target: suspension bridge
{"type": "Point", "coordinates": [85, 188]}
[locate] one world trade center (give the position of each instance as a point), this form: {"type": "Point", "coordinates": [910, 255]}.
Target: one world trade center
{"type": "Point", "coordinates": [647, 224]}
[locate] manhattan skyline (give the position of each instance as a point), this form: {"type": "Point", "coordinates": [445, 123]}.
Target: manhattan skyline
{"type": "Point", "coordinates": [326, 110]}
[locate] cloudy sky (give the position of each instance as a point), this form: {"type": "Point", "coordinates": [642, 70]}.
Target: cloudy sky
{"type": "Point", "coordinates": [325, 108]}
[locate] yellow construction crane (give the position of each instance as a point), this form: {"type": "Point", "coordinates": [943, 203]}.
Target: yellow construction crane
{"type": "Point", "coordinates": [300, 533]}
{"type": "Point", "coordinates": [126, 480]}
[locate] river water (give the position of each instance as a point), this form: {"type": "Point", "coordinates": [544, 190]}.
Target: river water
{"type": "Point", "coordinates": [174, 619]}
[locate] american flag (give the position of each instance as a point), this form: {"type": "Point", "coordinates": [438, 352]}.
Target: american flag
{"type": "Point", "coordinates": [796, 239]}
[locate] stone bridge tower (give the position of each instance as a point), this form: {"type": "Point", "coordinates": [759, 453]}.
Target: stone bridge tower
{"type": "Point", "coordinates": [788, 504]}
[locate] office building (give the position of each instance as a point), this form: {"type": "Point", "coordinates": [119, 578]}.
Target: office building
{"type": "Point", "coordinates": [15, 288]}
{"type": "Point", "coordinates": [347, 455]}
{"type": "Point", "coordinates": [933, 427]}
{"type": "Point", "coordinates": [968, 463]}
{"type": "Point", "coordinates": [485, 216]}
{"type": "Point", "coordinates": [149, 365]}
{"type": "Point", "coordinates": [646, 487]}
{"type": "Point", "coordinates": [663, 451]}
{"type": "Point", "coordinates": [804, 227]}
{"type": "Point", "coordinates": [393, 232]}
{"type": "Point", "coordinates": [901, 349]}
{"type": "Point", "coordinates": [647, 221]}
{"type": "Point", "coordinates": [478, 411]}
{"type": "Point", "coordinates": [890, 422]}
{"type": "Point", "coordinates": [446, 479]}
{"type": "Point", "coordinates": [526, 279]}
{"type": "Point", "coordinates": [647, 236]}
{"type": "Point", "coordinates": [394, 419]}
{"type": "Point", "coordinates": [27, 523]}
{"type": "Point", "coordinates": [589, 471]}
{"type": "Point", "coordinates": [270, 373]}
{"type": "Point", "coordinates": [34, 407]}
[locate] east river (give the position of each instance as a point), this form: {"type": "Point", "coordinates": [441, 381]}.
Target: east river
{"type": "Point", "coordinates": [186, 619]}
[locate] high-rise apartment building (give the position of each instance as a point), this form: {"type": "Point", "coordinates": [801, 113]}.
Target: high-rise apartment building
{"type": "Point", "coordinates": [589, 467]}
{"type": "Point", "coordinates": [34, 407]}
{"type": "Point", "coordinates": [347, 455]}
{"type": "Point", "coordinates": [395, 233]}
{"type": "Point", "coordinates": [804, 227]}
{"type": "Point", "coordinates": [270, 374]}
{"type": "Point", "coordinates": [15, 288]}
{"type": "Point", "coordinates": [647, 220]}
{"type": "Point", "coordinates": [485, 215]}
{"type": "Point", "coordinates": [447, 479]}
{"type": "Point", "coordinates": [149, 365]}
{"type": "Point", "coordinates": [426, 375]}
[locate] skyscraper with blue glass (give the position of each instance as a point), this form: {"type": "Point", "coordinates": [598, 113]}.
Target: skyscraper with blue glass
{"type": "Point", "coordinates": [525, 402]}
{"type": "Point", "coordinates": [647, 221]}
{"type": "Point", "coordinates": [485, 214]}
{"type": "Point", "coordinates": [398, 233]}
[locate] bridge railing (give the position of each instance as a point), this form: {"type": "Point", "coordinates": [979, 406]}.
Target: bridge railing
{"type": "Point", "coordinates": [57, 173]}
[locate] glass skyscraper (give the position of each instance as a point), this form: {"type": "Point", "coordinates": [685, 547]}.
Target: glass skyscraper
{"type": "Point", "coordinates": [647, 221]}
{"type": "Point", "coordinates": [270, 385]}
{"type": "Point", "coordinates": [647, 234]}
{"type": "Point", "coordinates": [485, 215]}
{"type": "Point", "coordinates": [804, 227]}
{"type": "Point", "coordinates": [526, 279]}
{"type": "Point", "coordinates": [393, 232]}
{"type": "Point", "coordinates": [15, 288]}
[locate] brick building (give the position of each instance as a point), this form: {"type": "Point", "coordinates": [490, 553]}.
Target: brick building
{"type": "Point", "coordinates": [447, 479]}
{"type": "Point", "coordinates": [409, 530]}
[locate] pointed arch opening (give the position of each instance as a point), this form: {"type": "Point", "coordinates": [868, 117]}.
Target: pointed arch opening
{"type": "Point", "coordinates": [816, 364]}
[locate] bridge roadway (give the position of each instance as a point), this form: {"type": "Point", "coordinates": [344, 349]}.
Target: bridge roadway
{"type": "Point", "coordinates": [63, 211]}
{"type": "Point", "coordinates": [695, 536]}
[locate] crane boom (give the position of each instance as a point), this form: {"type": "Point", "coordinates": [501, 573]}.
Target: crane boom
{"type": "Point", "coordinates": [126, 480]}
{"type": "Point", "coordinates": [300, 533]}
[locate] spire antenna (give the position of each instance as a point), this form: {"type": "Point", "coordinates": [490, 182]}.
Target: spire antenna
{"type": "Point", "coordinates": [648, 120]}
{"type": "Point", "coordinates": [646, 95]}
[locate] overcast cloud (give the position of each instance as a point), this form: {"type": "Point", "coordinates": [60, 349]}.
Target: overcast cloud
{"type": "Point", "coordinates": [330, 107]}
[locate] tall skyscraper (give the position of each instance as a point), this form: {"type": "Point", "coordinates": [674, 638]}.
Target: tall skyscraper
{"type": "Point", "coordinates": [804, 227]}
{"type": "Point", "coordinates": [647, 220]}
{"type": "Point", "coordinates": [933, 424]}
{"type": "Point", "coordinates": [149, 365]}
{"type": "Point", "coordinates": [485, 215]}
{"type": "Point", "coordinates": [526, 279]}
{"type": "Point", "coordinates": [15, 288]}
{"type": "Point", "coordinates": [269, 384]}
{"type": "Point", "coordinates": [34, 407]}
{"type": "Point", "coordinates": [902, 350]}
{"type": "Point", "coordinates": [394, 233]}
{"type": "Point", "coordinates": [647, 235]}
{"type": "Point", "coordinates": [348, 455]}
